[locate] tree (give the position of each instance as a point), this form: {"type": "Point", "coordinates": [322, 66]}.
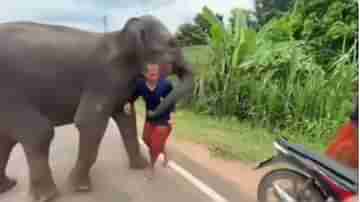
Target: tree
{"type": "Point", "coordinates": [330, 27]}
{"type": "Point", "coordinates": [220, 17]}
{"type": "Point", "coordinates": [202, 23]}
{"type": "Point", "coordinates": [189, 34]}
{"type": "Point", "coordinates": [195, 33]}
{"type": "Point", "coordinates": [267, 9]}
{"type": "Point", "coordinates": [248, 18]}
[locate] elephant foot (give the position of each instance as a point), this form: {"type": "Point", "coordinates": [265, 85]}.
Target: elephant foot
{"type": "Point", "coordinates": [139, 163]}
{"type": "Point", "coordinates": [45, 195]}
{"type": "Point", "coordinates": [80, 183]}
{"type": "Point", "coordinates": [7, 184]}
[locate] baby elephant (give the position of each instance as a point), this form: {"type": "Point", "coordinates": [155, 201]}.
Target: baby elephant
{"type": "Point", "coordinates": [55, 75]}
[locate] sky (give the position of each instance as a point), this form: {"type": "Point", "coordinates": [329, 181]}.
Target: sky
{"type": "Point", "coordinates": [88, 14]}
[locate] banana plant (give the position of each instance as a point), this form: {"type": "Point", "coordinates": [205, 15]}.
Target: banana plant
{"type": "Point", "coordinates": [231, 46]}
{"type": "Point", "coordinates": [237, 41]}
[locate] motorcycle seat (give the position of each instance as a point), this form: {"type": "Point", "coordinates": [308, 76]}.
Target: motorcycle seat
{"type": "Point", "coordinates": [332, 166]}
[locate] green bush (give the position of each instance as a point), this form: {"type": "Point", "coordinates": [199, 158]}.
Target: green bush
{"type": "Point", "coordinates": [274, 77]}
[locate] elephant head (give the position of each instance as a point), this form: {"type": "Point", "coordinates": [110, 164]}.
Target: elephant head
{"type": "Point", "coordinates": [154, 44]}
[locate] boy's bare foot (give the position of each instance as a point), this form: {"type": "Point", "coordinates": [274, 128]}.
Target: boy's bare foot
{"type": "Point", "coordinates": [166, 162]}
{"type": "Point", "coordinates": [150, 176]}
{"type": "Point", "coordinates": [150, 173]}
{"type": "Point", "coordinates": [166, 159]}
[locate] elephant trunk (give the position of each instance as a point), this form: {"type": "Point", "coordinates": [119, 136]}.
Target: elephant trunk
{"type": "Point", "coordinates": [186, 85]}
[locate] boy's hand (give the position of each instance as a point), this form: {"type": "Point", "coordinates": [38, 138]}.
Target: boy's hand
{"type": "Point", "coordinates": [150, 113]}
{"type": "Point", "coordinates": [127, 108]}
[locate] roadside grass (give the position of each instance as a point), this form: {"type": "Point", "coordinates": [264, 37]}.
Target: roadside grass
{"type": "Point", "coordinates": [228, 138]}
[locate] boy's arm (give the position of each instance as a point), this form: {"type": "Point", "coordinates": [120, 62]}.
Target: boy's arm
{"type": "Point", "coordinates": [133, 98]}
{"type": "Point", "coordinates": [172, 115]}
{"type": "Point", "coordinates": [172, 119]}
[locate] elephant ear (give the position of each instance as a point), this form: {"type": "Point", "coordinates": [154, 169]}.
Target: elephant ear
{"type": "Point", "coordinates": [127, 43]}
{"type": "Point", "coordinates": [135, 35]}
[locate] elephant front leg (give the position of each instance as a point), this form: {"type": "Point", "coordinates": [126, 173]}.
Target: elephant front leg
{"type": "Point", "coordinates": [128, 131]}
{"type": "Point", "coordinates": [90, 139]}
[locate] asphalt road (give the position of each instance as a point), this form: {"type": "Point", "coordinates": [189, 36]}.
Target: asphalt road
{"type": "Point", "coordinates": [112, 180]}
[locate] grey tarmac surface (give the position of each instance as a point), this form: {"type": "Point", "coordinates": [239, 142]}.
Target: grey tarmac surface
{"type": "Point", "coordinates": [112, 180]}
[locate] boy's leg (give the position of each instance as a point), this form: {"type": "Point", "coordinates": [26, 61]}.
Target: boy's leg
{"type": "Point", "coordinates": [165, 152]}
{"type": "Point", "coordinates": [166, 157]}
{"type": "Point", "coordinates": [162, 133]}
{"type": "Point", "coordinates": [157, 139]}
{"type": "Point", "coordinates": [151, 166]}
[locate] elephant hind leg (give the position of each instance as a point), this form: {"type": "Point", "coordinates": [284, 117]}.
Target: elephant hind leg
{"type": "Point", "coordinates": [42, 186]}
{"type": "Point", "coordinates": [6, 146]}
{"type": "Point", "coordinates": [35, 133]}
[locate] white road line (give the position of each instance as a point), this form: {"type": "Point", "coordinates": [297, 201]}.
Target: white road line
{"type": "Point", "coordinates": [202, 186]}
{"type": "Point", "coordinates": [195, 181]}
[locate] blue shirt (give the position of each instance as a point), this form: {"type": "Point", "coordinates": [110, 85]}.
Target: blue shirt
{"type": "Point", "coordinates": [153, 98]}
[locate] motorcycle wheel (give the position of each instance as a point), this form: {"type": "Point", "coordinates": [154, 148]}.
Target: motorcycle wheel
{"type": "Point", "coordinates": [267, 192]}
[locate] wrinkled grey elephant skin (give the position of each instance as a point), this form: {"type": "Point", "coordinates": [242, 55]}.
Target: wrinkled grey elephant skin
{"type": "Point", "coordinates": [55, 75]}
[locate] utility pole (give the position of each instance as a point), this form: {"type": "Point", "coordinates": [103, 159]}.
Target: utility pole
{"type": "Point", "coordinates": [105, 23]}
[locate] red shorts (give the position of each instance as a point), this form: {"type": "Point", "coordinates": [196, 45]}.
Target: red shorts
{"type": "Point", "coordinates": [155, 137]}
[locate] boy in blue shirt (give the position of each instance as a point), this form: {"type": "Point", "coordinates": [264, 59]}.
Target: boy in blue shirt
{"type": "Point", "coordinates": [153, 90]}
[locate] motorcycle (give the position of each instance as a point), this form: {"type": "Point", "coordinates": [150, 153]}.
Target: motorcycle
{"type": "Point", "coordinates": [310, 177]}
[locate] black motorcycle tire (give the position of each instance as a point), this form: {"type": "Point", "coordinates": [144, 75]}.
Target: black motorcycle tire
{"type": "Point", "coordinates": [281, 174]}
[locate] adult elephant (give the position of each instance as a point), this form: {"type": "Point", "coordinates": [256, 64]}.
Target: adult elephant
{"type": "Point", "coordinates": [54, 75]}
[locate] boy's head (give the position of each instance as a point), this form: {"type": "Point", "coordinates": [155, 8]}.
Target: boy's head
{"type": "Point", "coordinates": [152, 72]}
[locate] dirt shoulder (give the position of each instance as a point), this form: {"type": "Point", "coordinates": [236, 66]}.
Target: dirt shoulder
{"type": "Point", "coordinates": [242, 175]}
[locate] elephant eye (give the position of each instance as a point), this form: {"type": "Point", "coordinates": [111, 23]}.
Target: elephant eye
{"type": "Point", "coordinates": [155, 51]}
{"type": "Point", "coordinates": [172, 43]}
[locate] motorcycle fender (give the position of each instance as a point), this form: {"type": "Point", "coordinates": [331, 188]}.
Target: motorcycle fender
{"type": "Point", "coordinates": [270, 161]}
{"type": "Point", "coordinates": [280, 159]}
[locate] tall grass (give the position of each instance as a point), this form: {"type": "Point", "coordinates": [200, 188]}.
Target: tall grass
{"type": "Point", "coordinates": [270, 78]}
